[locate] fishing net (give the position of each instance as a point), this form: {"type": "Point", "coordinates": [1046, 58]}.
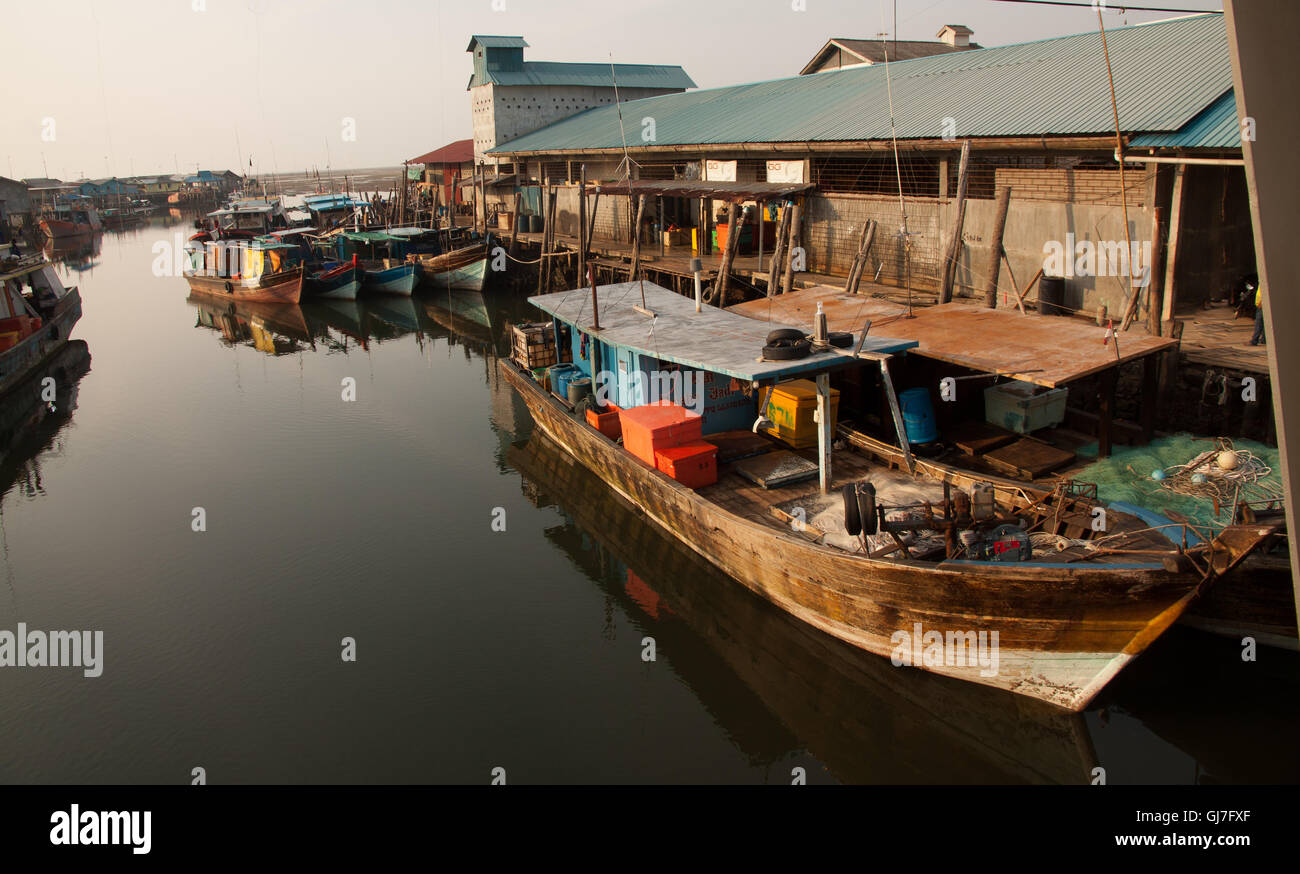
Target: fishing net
{"type": "Point", "coordinates": [1194, 485]}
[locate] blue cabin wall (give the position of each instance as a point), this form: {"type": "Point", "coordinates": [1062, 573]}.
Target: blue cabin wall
{"type": "Point", "coordinates": [725, 406]}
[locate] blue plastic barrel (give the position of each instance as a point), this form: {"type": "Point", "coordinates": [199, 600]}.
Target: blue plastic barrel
{"type": "Point", "coordinates": [918, 415]}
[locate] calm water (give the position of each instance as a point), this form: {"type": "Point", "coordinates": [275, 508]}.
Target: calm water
{"type": "Point", "coordinates": [475, 649]}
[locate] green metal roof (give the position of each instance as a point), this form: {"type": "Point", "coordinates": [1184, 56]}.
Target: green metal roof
{"type": "Point", "coordinates": [1215, 127]}
{"type": "Point", "coordinates": [590, 75]}
{"type": "Point", "coordinates": [1165, 74]}
{"type": "Point", "coordinates": [497, 42]}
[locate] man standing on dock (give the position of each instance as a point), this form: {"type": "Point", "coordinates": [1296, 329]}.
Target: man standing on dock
{"type": "Point", "coordinates": [1252, 284]}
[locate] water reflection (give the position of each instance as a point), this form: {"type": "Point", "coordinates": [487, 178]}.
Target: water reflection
{"type": "Point", "coordinates": [777, 686]}
{"type": "Point", "coordinates": [30, 425]}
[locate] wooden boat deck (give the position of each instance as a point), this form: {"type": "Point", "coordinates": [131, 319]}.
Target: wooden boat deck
{"type": "Point", "coordinates": [736, 494]}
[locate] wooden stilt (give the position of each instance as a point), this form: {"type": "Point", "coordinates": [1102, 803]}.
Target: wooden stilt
{"type": "Point", "coordinates": [995, 248]}
{"type": "Point", "coordinates": [950, 257]}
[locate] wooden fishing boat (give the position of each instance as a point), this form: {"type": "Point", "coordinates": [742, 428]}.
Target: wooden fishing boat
{"type": "Point", "coordinates": [335, 281]}
{"type": "Point", "coordinates": [261, 270]}
{"type": "Point", "coordinates": [70, 220]}
{"type": "Point", "coordinates": [36, 316]}
{"type": "Point", "coordinates": [465, 267]}
{"type": "Point", "coordinates": [382, 257]}
{"type": "Point", "coordinates": [1054, 626]}
{"type": "Point", "coordinates": [867, 721]}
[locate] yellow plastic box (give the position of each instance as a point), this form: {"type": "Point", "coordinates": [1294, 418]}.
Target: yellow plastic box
{"type": "Point", "coordinates": [792, 408]}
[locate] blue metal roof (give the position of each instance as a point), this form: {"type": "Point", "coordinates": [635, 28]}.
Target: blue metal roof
{"type": "Point", "coordinates": [713, 339]}
{"type": "Point", "coordinates": [1215, 127]}
{"type": "Point", "coordinates": [589, 75]}
{"type": "Point", "coordinates": [1165, 74]}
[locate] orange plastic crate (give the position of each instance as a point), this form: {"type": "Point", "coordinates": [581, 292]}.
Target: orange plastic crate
{"type": "Point", "coordinates": [658, 426]}
{"type": "Point", "coordinates": [694, 465]}
{"type": "Point", "coordinates": [605, 423]}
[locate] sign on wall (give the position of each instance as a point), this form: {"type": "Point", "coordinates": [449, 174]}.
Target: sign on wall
{"type": "Point", "coordinates": [720, 171]}
{"type": "Point", "coordinates": [785, 171]}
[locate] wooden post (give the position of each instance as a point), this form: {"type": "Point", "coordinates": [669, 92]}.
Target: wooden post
{"type": "Point", "coordinates": [782, 234]}
{"type": "Point", "coordinates": [900, 427]}
{"type": "Point", "coordinates": [1151, 395]}
{"type": "Point", "coordinates": [582, 222]}
{"type": "Point", "coordinates": [591, 225]}
{"type": "Point", "coordinates": [790, 247]}
{"type": "Point", "coordinates": [1155, 294]}
{"type": "Point", "coordinates": [514, 226]}
{"type": "Point", "coordinates": [954, 240]}
{"type": "Point", "coordinates": [824, 430]}
{"type": "Point", "coordinates": [455, 197]}
{"type": "Point", "coordinates": [995, 248]}
{"type": "Point", "coordinates": [541, 264]}
{"type": "Point", "coordinates": [636, 238]}
{"type": "Point", "coordinates": [1106, 417]}
{"type": "Point", "coordinates": [724, 268]}
{"type": "Point", "coordinates": [862, 259]}
{"type": "Point", "coordinates": [762, 208]}
{"type": "Point", "coordinates": [1175, 235]}
{"type": "Point", "coordinates": [474, 195]}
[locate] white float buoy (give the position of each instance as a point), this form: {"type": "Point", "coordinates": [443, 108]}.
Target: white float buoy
{"type": "Point", "coordinates": [1227, 460]}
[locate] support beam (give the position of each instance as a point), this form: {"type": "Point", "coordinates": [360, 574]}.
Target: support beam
{"type": "Point", "coordinates": [1106, 413]}
{"type": "Point", "coordinates": [1258, 54]}
{"type": "Point", "coordinates": [788, 284]}
{"type": "Point", "coordinates": [824, 430]}
{"type": "Point", "coordinates": [1175, 234]}
{"type": "Point", "coordinates": [583, 229]}
{"type": "Point", "coordinates": [900, 427]}
{"type": "Point", "coordinates": [953, 252]}
{"type": "Point", "coordinates": [995, 248]}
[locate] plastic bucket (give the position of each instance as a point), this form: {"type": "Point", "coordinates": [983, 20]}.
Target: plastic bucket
{"type": "Point", "coordinates": [1051, 296]}
{"type": "Point", "coordinates": [578, 389]}
{"type": "Point", "coordinates": [918, 415]}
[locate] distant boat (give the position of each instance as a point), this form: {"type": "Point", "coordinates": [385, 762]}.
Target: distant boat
{"type": "Point", "coordinates": [36, 316]}
{"type": "Point", "coordinates": [71, 220]}
{"type": "Point", "coordinates": [264, 270]}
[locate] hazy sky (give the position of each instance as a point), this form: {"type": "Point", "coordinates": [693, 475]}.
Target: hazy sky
{"type": "Point", "coordinates": [142, 86]}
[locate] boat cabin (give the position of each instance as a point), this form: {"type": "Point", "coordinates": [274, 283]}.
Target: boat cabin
{"type": "Point", "coordinates": [334, 210]}
{"type": "Point", "coordinates": [249, 216]}
{"type": "Point", "coordinates": [643, 344]}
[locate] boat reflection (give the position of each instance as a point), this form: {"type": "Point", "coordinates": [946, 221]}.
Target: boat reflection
{"type": "Point", "coordinates": [779, 687]}
{"type": "Point", "coordinates": [75, 253]}
{"type": "Point", "coordinates": [29, 424]}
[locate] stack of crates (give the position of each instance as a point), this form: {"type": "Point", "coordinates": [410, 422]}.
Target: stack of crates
{"type": "Point", "coordinates": [791, 410]}
{"type": "Point", "coordinates": [534, 345]}
{"type": "Point", "coordinates": [668, 437]}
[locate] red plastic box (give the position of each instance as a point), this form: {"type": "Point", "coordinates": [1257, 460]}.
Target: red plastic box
{"type": "Point", "coordinates": [694, 465]}
{"type": "Point", "coordinates": [658, 426]}
{"type": "Point", "coordinates": [605, 423]}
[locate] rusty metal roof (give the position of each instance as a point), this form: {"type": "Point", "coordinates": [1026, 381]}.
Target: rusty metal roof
{"type": "Point", "coordinates": [1165, 74]}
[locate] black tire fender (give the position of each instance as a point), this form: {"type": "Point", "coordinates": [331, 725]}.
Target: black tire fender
{"type": "Point", "coordinates": [788, 353]}
{"type": "Point", "coordinates": [866, 498]}
{"type": "Point", "coordinates": [852, 521]}
{"type": "Point", "coordinates": [784, 334]}
{"type": "Point", "coordinates": [840, 339]}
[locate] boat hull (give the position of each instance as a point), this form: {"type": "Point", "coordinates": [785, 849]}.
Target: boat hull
{"type": "Point", "coordinates": [57, 229]}
{"type": "Point", "coordinates": [464, 268]}
{"type": "Point", "coordinates": [1063, 633]}
{"type": "Point", "coordinates": [391, 280]}
{"type": "Point", "coordinates": [283, 287]}
{"type": "Point", "coordinates": [26, 355]}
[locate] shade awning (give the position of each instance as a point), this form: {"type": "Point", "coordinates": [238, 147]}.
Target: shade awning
{"type": "Point", "coordinates": [735, 192]}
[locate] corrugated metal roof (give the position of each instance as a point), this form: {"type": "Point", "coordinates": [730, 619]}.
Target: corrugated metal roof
{"type": "Point", "coordinates": [497, 42]}
{"type": "Point", "coordinates": [590, 75]}
{"type": "Point", "coordinates": [1165, 73]}
{"type": "Point", "coordinates": [459, 152]}
{"type": "Point", "coordinates": [1215, 127]}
